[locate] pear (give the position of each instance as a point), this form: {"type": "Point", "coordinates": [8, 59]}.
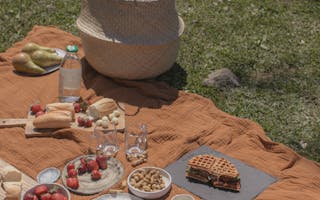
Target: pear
{"type": "Point", "coordinates": [31, 47]}
{"type": "Point", "coordinates": [23, 63]}
{"type": "Point", "coordinates": [45, 58]}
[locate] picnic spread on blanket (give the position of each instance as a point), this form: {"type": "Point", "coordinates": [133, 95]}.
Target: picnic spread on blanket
{"type": "Point", "coordinates": [121, 137]}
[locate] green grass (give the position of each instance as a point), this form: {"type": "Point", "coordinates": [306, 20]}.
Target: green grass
{"type": "Point", "coordinates": [273, 46]}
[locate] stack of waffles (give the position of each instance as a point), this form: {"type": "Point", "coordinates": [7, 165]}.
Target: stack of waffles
{"type": "Point", "coordinates": [219, 172]}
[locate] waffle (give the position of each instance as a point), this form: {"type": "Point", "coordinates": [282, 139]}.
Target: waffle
{"type": "Point", "coordinates": [214, 165]}
{"type": "Point", "coordinates": [221, 170]}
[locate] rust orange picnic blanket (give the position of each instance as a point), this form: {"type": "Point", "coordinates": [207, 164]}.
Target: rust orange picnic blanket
{"type": "Point", "coordinates": [178, 122]}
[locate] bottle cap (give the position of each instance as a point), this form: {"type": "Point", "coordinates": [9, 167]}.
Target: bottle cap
{"type": "Point", "coordinates": [72, 48]}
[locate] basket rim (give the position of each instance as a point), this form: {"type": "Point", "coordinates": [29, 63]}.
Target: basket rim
{"type": "Point", "coordinates": [81, 26]}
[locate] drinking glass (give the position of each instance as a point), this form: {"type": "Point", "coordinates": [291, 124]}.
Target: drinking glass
{"type": "Point", "coordinates": [107, 141]}
{"type": "Point", "coordinates": [136, 139]}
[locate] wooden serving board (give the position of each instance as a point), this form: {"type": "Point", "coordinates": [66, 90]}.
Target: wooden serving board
{"type": "Point", "coordinates": [8, 123]}
{"type": "Point", "coordinates": [27, 182]}
{"type": "Point", "coordinates": [110, 176]}
{"type": "Point", "coordinates": [31, 131]}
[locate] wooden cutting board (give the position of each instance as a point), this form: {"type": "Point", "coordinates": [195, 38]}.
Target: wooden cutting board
{"type": "Point", "coordinates": [31, 131]}
{"type": "Point", "coordinates": [27, 182]}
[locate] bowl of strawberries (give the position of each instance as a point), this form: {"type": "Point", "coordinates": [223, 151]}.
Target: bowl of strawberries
{"type": "Point", "coordinates": [47, 191]}
{"type": "Point", "coordinates": [91, 174]}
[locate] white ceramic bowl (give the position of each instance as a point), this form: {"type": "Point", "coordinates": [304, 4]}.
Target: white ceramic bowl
{"type": "Point", "coordinates": [151, 195]}
{"type": "Point", "coordinates": [64, 191]}
{"type": "Point", "coordinates": [182, 197]}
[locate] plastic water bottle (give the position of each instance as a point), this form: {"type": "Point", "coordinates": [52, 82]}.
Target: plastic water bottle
{"type": "Point", "coordinates": [70, 76]}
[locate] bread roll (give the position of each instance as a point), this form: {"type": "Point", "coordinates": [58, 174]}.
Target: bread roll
{"type": "Point", "coordinates": [54, 119]}
{"type": "Point", "coordinates": [101, 108]}
{"type": "Point", "coordinates": [60, 106]}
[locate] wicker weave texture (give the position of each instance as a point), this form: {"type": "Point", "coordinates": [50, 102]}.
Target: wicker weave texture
{"type": "Point", "coordinates": [130, 62]}
{"type": "Point", "coordinates": [147, 22]}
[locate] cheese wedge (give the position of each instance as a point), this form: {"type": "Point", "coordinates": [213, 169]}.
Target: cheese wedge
{"type": "Point", "coordinates": [13, 190]}
{"type": "Point", "coordinates": [10, 174]}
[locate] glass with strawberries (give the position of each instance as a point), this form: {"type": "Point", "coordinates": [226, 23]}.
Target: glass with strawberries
{"type": "Point", "coordinates": [107, 141]}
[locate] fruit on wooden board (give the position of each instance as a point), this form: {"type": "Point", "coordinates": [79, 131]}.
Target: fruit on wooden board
{"type": "Point", "coordinates": [31, 47]}
{"type": "Point", "coordinates": [23, 63]}
{"type": "Point", "coordinates": [77, 107]}
{"type": "Point", "coordinates": [35, 108]}
{"type": "Point", "coordinates": [45, 58]}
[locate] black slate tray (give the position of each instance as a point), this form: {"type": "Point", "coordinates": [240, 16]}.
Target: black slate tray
{"type": "Point", "coordinates": [253, 181]}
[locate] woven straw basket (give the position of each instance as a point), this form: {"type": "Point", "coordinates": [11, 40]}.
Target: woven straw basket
{"type": "Point", "coordinates": [130, 39]}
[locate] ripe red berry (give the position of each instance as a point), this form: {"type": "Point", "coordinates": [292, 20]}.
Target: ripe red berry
{"type": "Point", "coordinates": [35, 108]}
{"type": "Point", "coordinates": [80, 121]}
{"type": "Point", "coordinates": [95, 175]}
{"type": "Point", "coordinates": [77, 107]}
{"type": "Point", "coordinates": [88, 123]}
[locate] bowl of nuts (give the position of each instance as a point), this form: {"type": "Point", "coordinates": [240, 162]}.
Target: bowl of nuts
{"type": "Point", "coordinates": [149, 182]}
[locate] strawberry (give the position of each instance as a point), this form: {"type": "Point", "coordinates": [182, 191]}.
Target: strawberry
{"type": "Point", "coordinates": [83, 161]}
{"type": "Point", "coordinates": [82, 169]}
{"type": "Point", "coordinates": [88, 123]}
{"type": "Point", "coordinates": [73, 183]}
{"type": "Point", "coordinates": [72, 173]}
{"type": "Point", "coordinates": [77, 107]}
{"type": "Point", "coordinates": [35, 108]}
{"type": "Point", "coordinates": [58, 196]}
{"type": "Point", "coordinates": [92, 165]}
{"type": "Point", "coordinates": [102, 161]}
{"type": "Point", "coordinates": [95, 175]}
{"type": "Point", "coordinates": [80, 121]}
{"type": "Point", "coordinates": [30, 196]}
{"type": "Point", "coordinates": [46, 196]}
{"type": "Point", "coordinates": [41, 189]}
{"type": "Point", "coordinates": [39, 113]}
{"type": "Point", "coordinates": [70, 166]}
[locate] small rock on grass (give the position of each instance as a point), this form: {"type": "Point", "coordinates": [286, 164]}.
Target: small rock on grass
{"type": "Point", "coordinates": [222, 78]}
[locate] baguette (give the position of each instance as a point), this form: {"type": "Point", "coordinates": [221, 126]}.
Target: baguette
{"type": "Point", "coordinates": [61, 106]}
{"type": "Point", "coordinates": [54, 119]}
{"type": "Point", "coordinates": [101, 108]}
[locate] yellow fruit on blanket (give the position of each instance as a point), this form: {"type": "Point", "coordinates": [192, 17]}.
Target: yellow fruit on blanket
{"type": "Point", "coordinates": [23, 63]}
{"type": "Point", "coordinates": [45, 58]}
{"type": "Point", "coordinates": [31, 47]}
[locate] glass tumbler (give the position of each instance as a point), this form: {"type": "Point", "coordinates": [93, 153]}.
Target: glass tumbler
{"type": "Point", "coordinates": [107, 140]}
{"type": "Point", "coordinates": [136, 140]}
